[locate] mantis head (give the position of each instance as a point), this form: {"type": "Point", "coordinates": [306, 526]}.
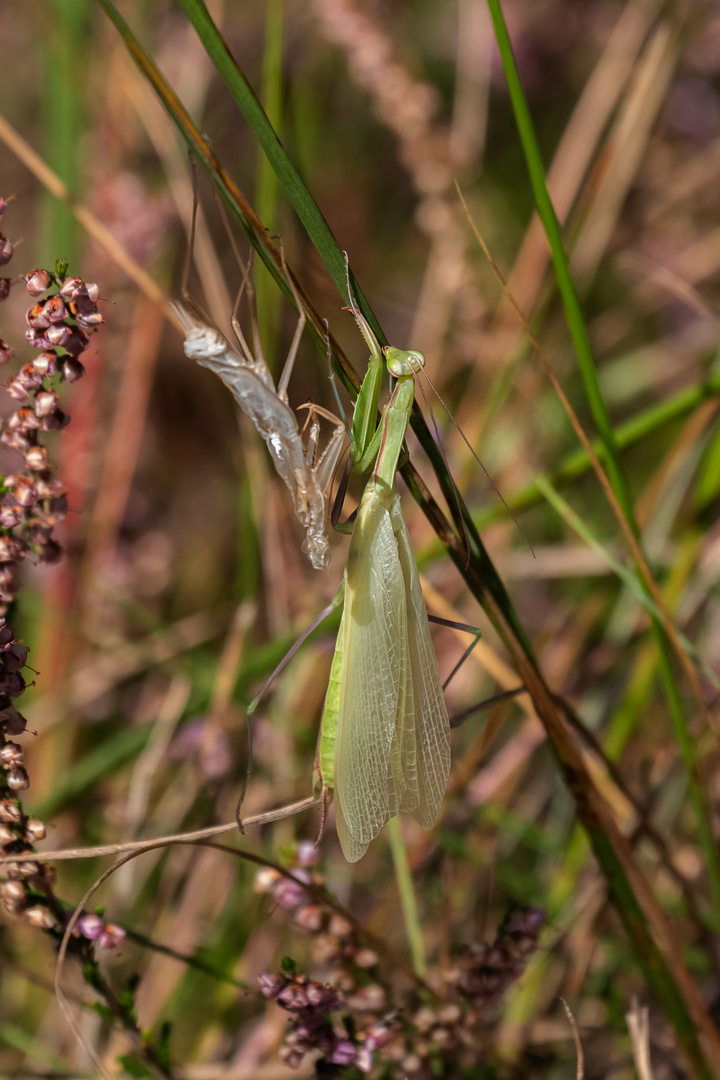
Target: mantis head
{"type": "Point", "coordinates": [202, 341]}
{"type": "Point", "coordinates": [402, 362]}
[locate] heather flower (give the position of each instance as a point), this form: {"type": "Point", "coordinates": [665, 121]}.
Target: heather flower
{"type": "Point", "coordinates": [354, 1023]}
{"type": "Point", "coordinates": [111, 936]}
{"type": "Point", "coordinates": [90, 926]}
{"type": "Point", "coordinates": [32, 502]}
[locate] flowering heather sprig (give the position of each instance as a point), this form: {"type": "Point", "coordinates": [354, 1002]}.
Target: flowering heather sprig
{"type": "Point", "coordinates": [347, 1017]}
{"type": "Point", "coordinates": [32, 502]}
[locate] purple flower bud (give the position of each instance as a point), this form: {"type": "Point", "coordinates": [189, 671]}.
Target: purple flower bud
{"type": "Point", "coordinates": [46, 402]}
{"type": "Point", "coordinates": [11, 754]}
{"type": "Point", "coordinates": [36, 458]}
{"type": "Point", "coordinates": [15, 657]}
{"type": "Point", "coordinates": [54, 309]}
{"type": "Point", "coordinates": [364, 1059]}
{"type": "Point", "coordinates": [55, 421]}
{"type": "Point", "coordinates": [37, 318]}
{"type": "Point", "coordinates": [71, 286]}
{"type": "Point", "coordinates": [449, 1014]}
{"type": "Point", "coordinates": [23, 420]}
{"type": "Point", "coordinates": [270, 985]}
{"type": "Point", "coordinates": [288, 894]}
{"type": "Point", "coordinates": [344, 1053]}
{"type": "Point", "coordinates": [292, 1058]}
{"type": "Point", "coordinates": [3, 205]}
{"type": "Point", "coordinates": [376, 1036]}
{"type": "Point", "coordinates": [6, 250]}
{"type": "Point", "coordinates": [309, 917]}
{"type": "Point", "coordinates": [45, 485]}
{"type": "Point", "coordinates": [36, 338]}
{"type": "Point", "coordinates": [50, 552]}
{"type": "Point", "coordinates": [90, 320]}
{"type": "Point", "coordinates": [58, 334]}
{"type": "Point", "coordinates": [10, 811]}
{"type": "Point", "coordinates": [18, 780]}
{"type": "Point", "coordinates": [31, 378]}
{"type": "Point", "coordinates": [34, 830]}
{"type": "Point", "coordinates": [41, 917]}
{"type": "Point", "coordinates": [37, 282]}
{"type": "Point", "coordinates": [339, 926]}
{"type": "Point", "coordinates": [11, 683]}
{"type": "Point", "coordinates": [90, 926]}
{"type": "Point", "coordinates": [6, 353]}
{"type": "Point", "coordinates": [45, 363]}
{"type": "Point", "coordinates": [15, 388]}
{"type": "Point", "coordinates": [304, 1034]}
{"type": "Point", "coordinates": [72, 369]}
{"type": "Point", "coordinates": [15, 440]}
{"type": "Point", "coordinates": [8, 571]}
{"type": "Point", "coordinates": [75, 342]}
{"type": "Point", "coordinates": [366, 958]}
{"type": "Point", "coordinates": [5, 284]}
{"type": "Point", "coordinates": [15, 907]}
{"type": "Point", "coordinates": [293, 998]}
{"type": "Point", "coordinates": [322, 997]}
{"type": "Point", "coordinates": [13, 721]}
{"type": "Point", "coordinates": [111, 936]}
{"type": "Point", "coordinates": [368, 998]}
{"type": "Point", "coordinates": [93, 291]}
{"type": "Point", "coordinates": [307, 853]}
{"type": "Point", "coordinates": [25, 492]}
{"type": "Point", "coordinates": [26, 868]}
{"type": "Point", "coordinates": [12, 890]}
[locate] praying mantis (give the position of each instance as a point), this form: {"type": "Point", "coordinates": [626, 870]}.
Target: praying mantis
{"type": "Point", "coordinates": [384, 743]}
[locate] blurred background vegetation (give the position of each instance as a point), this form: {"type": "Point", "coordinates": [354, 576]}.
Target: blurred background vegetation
{"type": "Point", "coordinates": [183, 582]}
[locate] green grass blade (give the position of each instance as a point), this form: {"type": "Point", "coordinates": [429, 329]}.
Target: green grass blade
{"type": "Point", "coordinates": [627, 577]}
{"type": "Point", "coordinates": [413, 926]}
{"type": "Point", "coordinates": [292, 183]}
{"type": "Point", "coordinates": [629, 434]}
{"type": "Point", "coordinates": [267, 182]}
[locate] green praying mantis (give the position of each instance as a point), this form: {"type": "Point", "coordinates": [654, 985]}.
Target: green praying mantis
{"type": "Point", "coordinates": [384, 745]}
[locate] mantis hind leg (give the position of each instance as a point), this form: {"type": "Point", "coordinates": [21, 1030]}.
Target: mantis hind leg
{"type": "Point", "coordinates": [487, 703]}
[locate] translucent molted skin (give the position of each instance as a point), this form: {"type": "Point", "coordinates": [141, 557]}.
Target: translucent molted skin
{"type": "Point", "coordinates": [252, 386]}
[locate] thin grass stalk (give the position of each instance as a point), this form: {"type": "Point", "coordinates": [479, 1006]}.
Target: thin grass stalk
{"type": "Point", "coordinates": [403, 876]}
{"type": "Point", "coordinates": [267, 183]}
{"type": "Point", "coordinates": [63, 111]}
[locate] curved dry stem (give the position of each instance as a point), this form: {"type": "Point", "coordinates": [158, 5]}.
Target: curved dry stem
{"type": "Point", "coordinates": [138, 846]}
